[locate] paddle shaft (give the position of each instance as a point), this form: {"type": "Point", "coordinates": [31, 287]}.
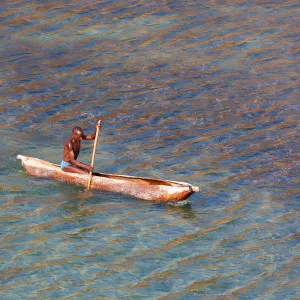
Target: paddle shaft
{"type": "Point", "coordinates": [93, 158]}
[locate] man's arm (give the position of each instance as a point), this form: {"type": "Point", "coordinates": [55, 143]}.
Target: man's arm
{"type": "Point", "coordinates": [93, 135]}
{"type": "Point", "coordinates": [75, 162]}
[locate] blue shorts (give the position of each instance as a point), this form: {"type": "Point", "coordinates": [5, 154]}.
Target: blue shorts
{"type": "Point", "coordinates": [64, 164]}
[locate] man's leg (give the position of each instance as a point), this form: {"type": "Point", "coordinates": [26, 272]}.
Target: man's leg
{"type": "Point", "coordinates": [74, 169]}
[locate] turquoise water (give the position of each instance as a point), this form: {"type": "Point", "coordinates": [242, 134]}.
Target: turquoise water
{"type": "Point", "coordinates": [198, 91]}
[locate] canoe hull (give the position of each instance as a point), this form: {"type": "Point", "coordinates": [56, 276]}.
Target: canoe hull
{"type": "Point", "coordinates": [139, 187]}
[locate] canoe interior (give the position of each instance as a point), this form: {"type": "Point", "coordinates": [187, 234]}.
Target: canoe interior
{"type": "Point", "coordinates": [143, 180]}
{"type": "Point", "coordinates": [150, 181]}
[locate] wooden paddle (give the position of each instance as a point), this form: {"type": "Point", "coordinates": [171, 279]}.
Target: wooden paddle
{"type": "Point", "coordinates": [94, 152]}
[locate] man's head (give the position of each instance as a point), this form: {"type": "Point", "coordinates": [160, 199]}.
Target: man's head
{"type": "Point", "coordinates": [77, 133]}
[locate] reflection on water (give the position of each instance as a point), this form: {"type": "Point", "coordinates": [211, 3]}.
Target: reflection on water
{"type": "Point", "coordinates": [204, 92]}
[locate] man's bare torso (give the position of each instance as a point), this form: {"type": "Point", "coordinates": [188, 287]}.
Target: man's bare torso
{"type": "Point", "coordinates": [72, 149]}
{"type": "Point", "coordinates": [68, 147]}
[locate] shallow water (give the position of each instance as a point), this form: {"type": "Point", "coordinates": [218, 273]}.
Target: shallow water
{"type": "Point", "coordinates": [197, 91]}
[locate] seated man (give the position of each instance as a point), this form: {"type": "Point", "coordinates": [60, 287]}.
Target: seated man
{"type": "Point", "coordinates": [72, 149]}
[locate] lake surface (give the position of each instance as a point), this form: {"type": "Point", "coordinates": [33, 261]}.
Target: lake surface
{"type": "Point", "coordinates": [198, 91]}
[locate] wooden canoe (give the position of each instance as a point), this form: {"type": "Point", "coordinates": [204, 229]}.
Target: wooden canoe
{"type": "Point", "coordinates": [140, 187]}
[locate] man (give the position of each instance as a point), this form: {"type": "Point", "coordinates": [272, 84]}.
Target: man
{"type": "Point", "coordinates": [72, 149]}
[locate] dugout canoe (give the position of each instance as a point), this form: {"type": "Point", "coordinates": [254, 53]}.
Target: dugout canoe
{"type": "Point", "coordinates": [140, 187]}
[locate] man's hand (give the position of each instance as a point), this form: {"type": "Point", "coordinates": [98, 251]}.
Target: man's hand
{"type": "Point", "coordinates": [90, 168]}
{"type": "Point", "coordinates": [98, 126]}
